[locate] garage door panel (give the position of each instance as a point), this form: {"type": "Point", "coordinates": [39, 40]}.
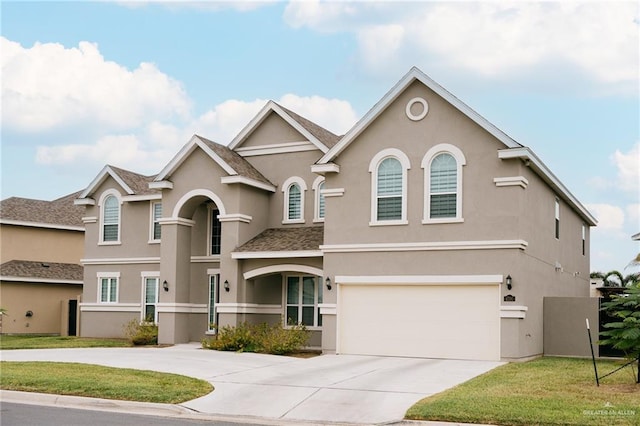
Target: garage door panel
{"type": "Point", "coordinates": [439, 321]}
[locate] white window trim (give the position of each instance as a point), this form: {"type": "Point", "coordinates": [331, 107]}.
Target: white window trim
{"type": "Point", "coordinates": [216, 278]}
{"type": "Point", "coordinates": [556, 222]}
{"type": "Point", "coordinates": [316, 304]}
{"type": "Point", "coordinates": [100, 276]}
{"type": "Point", "coordinates": [317, 194]}
{"type": "Point", "coordinates": [285, 189]}
{"type": "Point", "coordinates": [210, 209]}
{"type": "Point", "coordinates": [153, 240]}
{"type": "Point", "coordinates": [373, 169]}
{"type": "Point", "coordinates": [103, 197]}
{"type": "Point", "coordinates": [144, 276]}
{"type": "Point", "coordinates": [426, 165]}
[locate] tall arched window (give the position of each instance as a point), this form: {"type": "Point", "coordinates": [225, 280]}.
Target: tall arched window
{"type": "Point", "coordinates": [110, 219]}
{"type": "Point", "coordinates": [293, 189]}
{"type": "Point", "coordinates": [318, 186]}
{"type": "Point", "coordinates": [443, 184]}
{"type": "Point", "coordinates": [389, 187]}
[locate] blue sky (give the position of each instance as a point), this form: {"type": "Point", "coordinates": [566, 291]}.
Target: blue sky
{"type": "Point", "coordinates": [127, 83]}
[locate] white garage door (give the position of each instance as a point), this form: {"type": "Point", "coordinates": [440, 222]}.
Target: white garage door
{"type": "Point", "coordinates": [430, 321]}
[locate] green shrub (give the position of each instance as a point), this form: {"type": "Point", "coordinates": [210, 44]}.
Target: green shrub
{"type": "Point", "coordinates": [262, 338]}
{"type": "Point", "coordinates": [145, 333]}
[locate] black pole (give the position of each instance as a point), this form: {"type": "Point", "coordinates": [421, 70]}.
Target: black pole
{"type": "Point", "coordinates": [593, 357]}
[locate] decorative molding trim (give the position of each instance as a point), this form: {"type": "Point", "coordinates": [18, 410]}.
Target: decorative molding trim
{"type": "Point", "coordinates": [84, 202]}
{"type": "Point", "coordinates": [513, 311]}
{"type": "Point", "coordinates": [205, 259]}
{"type": "Point", "coordinates": [36, 280]}
{"type": "Point", "coordinates": [110, 307]}
{"type": "Point", "coordinates": [277, 148]}
{"type": "Point", "coordinates": [247, 181]}
{"type": "Point", "coordinates": [325, 168]}
{"type": "Point", "coordinates": [275, 254]}
{"type": "Point", "coordinates": [424, 246]}
{"type": "Point", "coordinates": [328, 308]}
{"type": "Point", "coordinates": [176, 221]}
{"type": "Point", "coordinates": [121, 261]}
{"type": "Point", "coordinates": [285, 267]}
{"type": "Point", "coordinates": [511, 181]}
{"type": "Point", "coordinates": [332, 192]}
{"type": "Point", "coordinates": [418, 279]}
{"type": "Point", "coordinates": [146, 197]}
{"type": "Point", "coordinates": [43, 225]}
{"type": "Point", "coordinates": [423, 114]}
{"type": "Point", "coordinates": [182, 308]}
{"type": "Point", "coordinates": [90, 219]}
{"type": "Point", "coordinates": [248, 308]}
{"type": "Point", "coordinates": [235, 217]}
{"type": "Point", "coordinates": [162, 184]}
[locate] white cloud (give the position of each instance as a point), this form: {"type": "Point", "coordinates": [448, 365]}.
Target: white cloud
{"type": "Point", "coordinates": [48, 86]}
{"type": "Point", "coordinates": [148, 150]}
{"type": "Point", "coordinates": [633, 213]}
{"type": "Point", "coordinates": [597, 39]}
{"type": "Point", "coordinates": [628, 168]}
{"type": "Point", "coordinates": [610, 217]}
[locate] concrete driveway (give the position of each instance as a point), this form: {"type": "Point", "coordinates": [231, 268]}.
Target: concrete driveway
{"type": "Point", "coordinates": [322, 389]}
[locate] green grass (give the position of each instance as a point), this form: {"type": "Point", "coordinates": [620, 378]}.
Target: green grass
{"type": "Point", "coordinates": [46, 342]}
{"type": "Point", "coordinates": [546, 391]}
{"type": "Point", "coordinates": [100, 382]}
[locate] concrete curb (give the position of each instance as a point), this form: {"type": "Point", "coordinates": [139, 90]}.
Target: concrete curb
{"type": "Point", "coordinates": [170, 410]}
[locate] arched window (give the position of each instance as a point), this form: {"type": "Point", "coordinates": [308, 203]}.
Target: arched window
{"type": "Point", "coordinates": [110, 219]}
{"type": "Point", "coordinates": [293, 189]}
{"type": "Point", "coordinates": [318, 186]}
{"type": "Point", "coordinates": [443, 184]}
{"type": "Point", "coordinates": [389, 187]}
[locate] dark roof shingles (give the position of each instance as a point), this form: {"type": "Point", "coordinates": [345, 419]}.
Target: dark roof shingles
{"type": "Point", "coordinates": [286, 239]}
{"type": "Point", "coordinates": [328, 138]}
{"type": "Point", "coordinates": [42, 270]}
{"type": "Point", "coordinates": [61, 211]}
{"type": "Point", "coordinates": [138, 183]}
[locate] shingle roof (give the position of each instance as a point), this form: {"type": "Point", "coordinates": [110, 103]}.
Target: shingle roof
{"type": "Point", "coordinates": [323, 135]}
{"type": "Point", "coordinates": [42, 270]}
{"type": "Point", "coordinates": [235, 161]}
{"type": "Point", "coordinates": [137, 182]}
{"type": "Point", "coordinates": [61, 211]}
{"type": "Point", "coordinates": [286, 239]}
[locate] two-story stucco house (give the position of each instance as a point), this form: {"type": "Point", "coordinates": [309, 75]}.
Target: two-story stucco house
{"type": "Point", "coordinates": [424, 231]}
{"type": "Point", "coordinates": [41, 279]}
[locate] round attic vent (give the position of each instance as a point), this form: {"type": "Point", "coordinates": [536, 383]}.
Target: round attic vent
{"type": "Point", "coordinates": [417, 112]}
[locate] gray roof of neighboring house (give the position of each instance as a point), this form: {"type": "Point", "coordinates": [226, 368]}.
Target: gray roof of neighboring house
{"type": "Point", "coordinates": [323, 135]}
{"type": "Point", "coordinates": [137, 182]}
{"type": "Point", "coordinates": [42, 270]}
{"type": "Point", "coordinates": [286, 239]}
{"type": "Point", "coordinates": [235, 161]}
{"type": "Point", "coordinates": [61, 211]}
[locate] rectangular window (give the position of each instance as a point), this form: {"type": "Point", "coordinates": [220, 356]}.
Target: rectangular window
{"type": "Point", "coordinates": [557, 222]}
{"type": "Point", "coordinates": [584, 239]}
{"type": "Point", "coordinates": [157, 214]}
{"type": "Point", "coordinates": [212, 316]}
{"type": "Point", "coordinates": [303, 295]}
{"type": "Point", "coordinates": [150, 300]}
{"type": "Point", "coordinates": [108, 290]}
{"type": "Point", "coordinates": [216, 229]}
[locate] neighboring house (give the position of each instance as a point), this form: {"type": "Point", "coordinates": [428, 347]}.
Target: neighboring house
{"type": "Point", "coordinates": [424, 231]}
{"type": "Point", "coordinates": [42, 243]}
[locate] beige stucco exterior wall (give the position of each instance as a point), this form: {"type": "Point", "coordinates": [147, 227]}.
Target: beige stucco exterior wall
{"type": "Point", "coordinates": [40, 244]}
{"type": "Point", "coordinates": [566, 335]}
{"type": "Point", "coordinates": [44, 300]}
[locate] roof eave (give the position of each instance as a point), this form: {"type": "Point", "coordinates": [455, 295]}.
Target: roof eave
{"type": "Point", "coordinates": [543, 171]}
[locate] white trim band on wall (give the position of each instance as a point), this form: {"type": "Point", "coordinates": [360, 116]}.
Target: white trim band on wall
{"type": "Point", "coordinates": [513, 311]}
{"type": "Point", "coordinates": [248, 308]}
{"type": "Point", "coordinates": [419, 279]}
{"type": "Point", "coordinates": [511, 181]}
{"type": "Point", "coordinates": [182, 308]}
{"type": "Point", "coordinates": [110, 307]}
{"type": "Point", "coordinates": [425, 246]}
{"type": "Point", "coordinates": [273, 269]}
{"type": "Point", "coordinates": [328, 308]}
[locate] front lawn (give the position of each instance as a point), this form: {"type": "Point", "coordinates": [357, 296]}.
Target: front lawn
{"type": "Point", "coordinates": [46, 342]}
{"type": "Point", "coordinates": [100, 382]}
{"type": "Point", "coordinates": [546, 391]}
